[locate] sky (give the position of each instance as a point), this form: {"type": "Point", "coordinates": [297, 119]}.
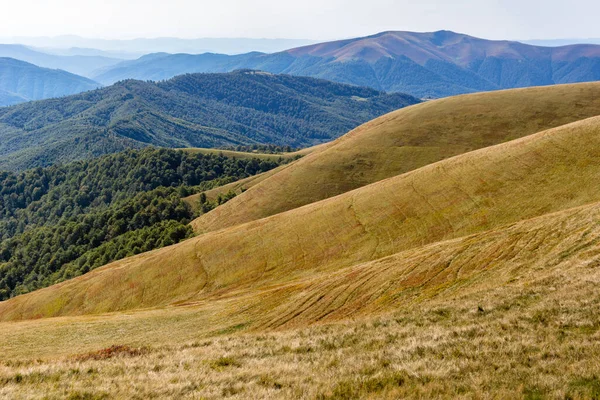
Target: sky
{"type": "Point", "coordinates": [304, 19]}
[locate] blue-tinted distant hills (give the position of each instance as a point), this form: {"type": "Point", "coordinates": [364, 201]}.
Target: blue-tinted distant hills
{"type": "Point", "coordinates": [560, 42]}
{"type": "Point", "coordinates": [435, 64]}
{"type": "Point", "coordinates": [83, 65]}
{"type": "Point", "coordinates": [8, 98]}
{"type": "Point", "coordinates": [163, 44]}
{"type": "Point", "coordinates": [21, 81]}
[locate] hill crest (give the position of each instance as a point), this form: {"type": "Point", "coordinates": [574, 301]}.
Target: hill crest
{"type": "Point", "coordinates": [434, 64]}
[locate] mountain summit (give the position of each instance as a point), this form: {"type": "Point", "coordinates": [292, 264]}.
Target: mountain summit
{"type": "Point", "coordinates": [435, 64]}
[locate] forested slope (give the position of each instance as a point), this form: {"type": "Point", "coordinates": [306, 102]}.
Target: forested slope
{"type": "Point", "coordinates": [62, 221]}
{"type": "Point", "coordinates": [212, 110]}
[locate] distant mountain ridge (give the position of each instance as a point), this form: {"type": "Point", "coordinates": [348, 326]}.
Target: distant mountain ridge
{"type": "Point", "coordinates": [201, 110]}
{"type": "Point", "coordinates": [75, 64]}
{"type": "Point", "coordinates": [560, 42]}
{"type": "Point", "coordinates": [164, 44]}
{"type": "Point", "coordinates": [21, 81]}
{"type": "Point", "coordinates": [435, 64]}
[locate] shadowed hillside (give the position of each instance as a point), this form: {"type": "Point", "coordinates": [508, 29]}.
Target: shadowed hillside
{"type": "Point", "coordinates": [475, 192]}
{"type": "Point", "coordinates": [405, 140]}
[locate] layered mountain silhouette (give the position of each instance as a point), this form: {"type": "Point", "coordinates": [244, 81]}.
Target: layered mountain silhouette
{"type": "Point", "coordinates": [433, 64]}
{"type": "Point", "coordinates": [83, 65]}
{"type": "Point", "coordinates": [21, 81]}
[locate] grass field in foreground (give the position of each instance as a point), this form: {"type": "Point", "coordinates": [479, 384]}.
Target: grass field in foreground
{"type": "Point", "coordinates": [514, 329]}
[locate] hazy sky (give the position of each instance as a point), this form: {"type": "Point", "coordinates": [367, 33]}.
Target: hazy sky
{"type": "Point", "coordinates": [310, 19]}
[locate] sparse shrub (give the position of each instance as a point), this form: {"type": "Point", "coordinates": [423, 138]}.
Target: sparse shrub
{"type": "Point", "coordinates": [268, 382]}
{"type": "Point", "coordinates": [87, 396]}
{"type": "Point", "coordinates": [586, 388]}
{"type": "Point", "coordinates": [358, 388]}
{"type": "Point", "coordinates": [113, 351]}
{"type": "Point", "coordinates": [223, 362]}
{"type": "Point", "coordinates": [533, 393]}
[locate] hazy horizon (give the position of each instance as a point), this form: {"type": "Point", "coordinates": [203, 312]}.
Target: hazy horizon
{"type": "Point", "coordinates": [313, 20]}
{"type": "Point", "coordinates": [134, 48]}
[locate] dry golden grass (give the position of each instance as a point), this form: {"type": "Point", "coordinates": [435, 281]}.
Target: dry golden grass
{"type": "Point", "coordinates": [473, 277]}
{"type": "Point", "coordinates": [561, 246]}
{"type": "Point", "coordinates": [508, 313]}
{"type": "Point", "coordinates": [406, 140]}
{"type": "Point", "coordinates": [474, 192]}
{"type": "Point", "coordinates": [512, 329]}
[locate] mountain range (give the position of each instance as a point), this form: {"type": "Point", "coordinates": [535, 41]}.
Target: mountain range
{"type": "Point", "coordinates": [434, 64]}
{"type": "Point", "coordinates": [441, 248]}
{"type": "Point", "coordinates": [560, 42]}
{"type": "Point", "coordinates": [199, 110]}
{"type": "Point", "coordinates": [21, 81]}
{"type": "Point", "coordinates": [425, 65]}
{"type": "Point", "coordinates": [83, 65]}
{"type": "Point", "coordinates": [142, 46]}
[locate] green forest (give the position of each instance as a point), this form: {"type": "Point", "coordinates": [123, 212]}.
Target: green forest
{"type": "Point", "coordinates": [197, 110]}
{"type": "Point", "coordinates": [62, 221]}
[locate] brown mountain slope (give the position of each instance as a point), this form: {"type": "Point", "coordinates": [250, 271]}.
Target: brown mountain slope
{"type": "Point", "coordinates": [482, 190]}
{"type": "Point", "coordinates": [405, 140]}
{"type": "Point", "coordinates": [445, 46]}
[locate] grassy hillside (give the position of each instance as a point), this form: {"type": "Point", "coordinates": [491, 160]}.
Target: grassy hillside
{"type": "Point", "coordinates": [29, 82]}
{"type": "Point", "coordinates": [405, 140]}
{"type": "Point", "coordinates": [472, 276]}
{"type": "Point", "coordinates": [242, 185]}
{"type": "Point", "coordinates": [241, 154]}
{"type": "Point", "coordinates": [212, 110]}
{"type": "Point", "coordinates": [515, 309]}
{"type": "Point", "coordinates": [478, 191]}
{"type": "Point", "coordinates": [426, 65]}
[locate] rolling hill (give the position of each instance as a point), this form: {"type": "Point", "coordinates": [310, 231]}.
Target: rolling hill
{"type": "Point", "coordinates": [471, 193]}
{"type": "Point", "coordinates": [406, 140]}
{"type": "Point", "coordinates": [201, 110]}
{"type": "Point", "coordinates": [76, 64]}
{"type": "Point", "coordinates": [433, 64]}
{"type": "Point", "coordinates": [21, 81]}
{"type": "Point", "coordinates": [468, 273]}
